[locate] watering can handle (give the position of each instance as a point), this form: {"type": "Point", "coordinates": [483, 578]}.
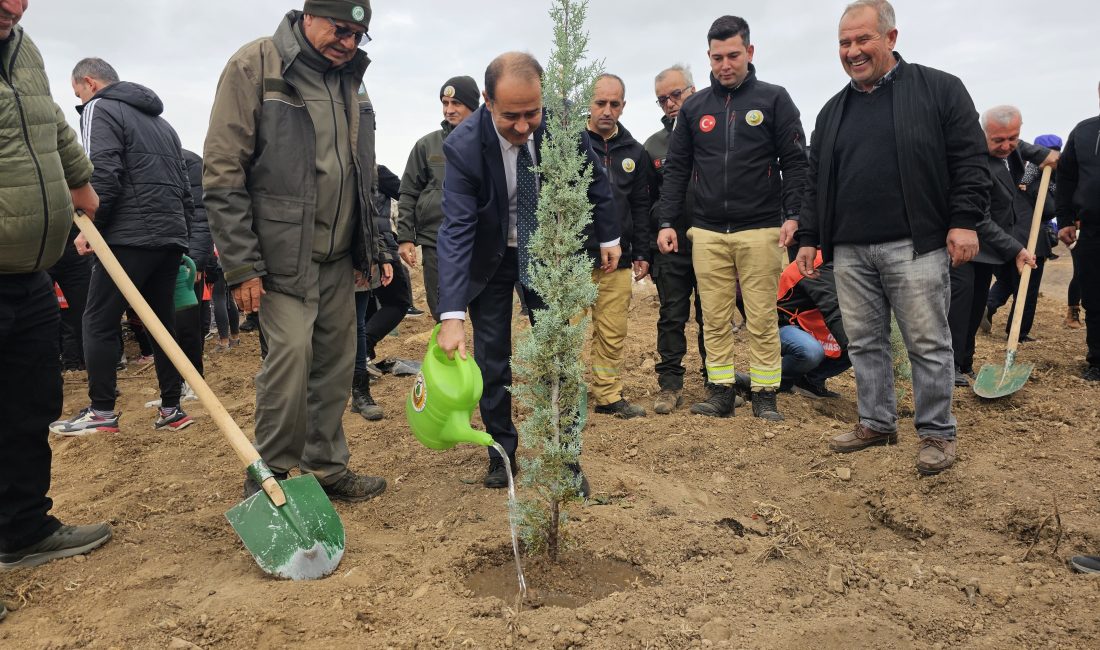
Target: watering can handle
{"type": "Point", "coordinates": [464, 365]}
{"type": "Point", "coordinates": [192, 270]}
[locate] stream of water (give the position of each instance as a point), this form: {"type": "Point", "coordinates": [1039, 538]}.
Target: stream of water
{"type": "Point", "coordinates": [511, 519]}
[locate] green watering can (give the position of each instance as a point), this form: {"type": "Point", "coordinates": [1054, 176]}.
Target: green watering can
{"type": "Point", "coordinates": [443, 399]}
{"type": "Point", "coordinates": [185, 285]}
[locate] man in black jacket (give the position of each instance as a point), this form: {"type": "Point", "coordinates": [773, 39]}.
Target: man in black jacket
{"type": "Point", "coordinates": [736, 137]}
{"type": "Point", "coordinates": [672, 272]}
{"type": "Point", "coordinates": [883, 198]}
{"type": "Point", "coordinates": [628, 169]}
{"type": "Point", "coordinates": [144, 215]}
{"type": "Point", "coordinates": [1078, 201]}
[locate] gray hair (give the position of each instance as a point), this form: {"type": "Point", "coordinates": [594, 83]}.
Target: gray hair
{"type": "Point", "coordinates": [884, 10]}
{"type": "Point", "coordinates": [1002, 115]}
{"type": "Point", "coordinates": [97, 69]}
{"type": "Point", "coordinates": [678, 67]}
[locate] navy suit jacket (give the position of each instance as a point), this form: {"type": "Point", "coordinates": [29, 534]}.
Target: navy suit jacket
{"type": "Point", "coordinates": [474, 234]}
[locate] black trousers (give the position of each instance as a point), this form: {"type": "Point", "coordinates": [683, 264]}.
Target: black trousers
{"type": "Point", "coordinates": [969, 293]}
{"type": "Point", "coordinates": [675, 279]}
{"type": "Point", "coordinates": [1073, 292]}
{"type": "Point", "coordinates": [491, 316]}
{"type": "Point", "coordinates": [1008, 282]}
{"type": "Point", "coordinates": [226, 316]}
{"type": "Point", "coordinates": [30, 397]}
{"type": "Point", "coordinates": [1088, 277]}
{"type": "Point", "coordinates": [190, 333]}
{"type": "Point", "coordinates": [72, 273]}
{"type": "Point", "coordinates": [390, 307]}
{"type": "Point", "coordinates": [154, 274]}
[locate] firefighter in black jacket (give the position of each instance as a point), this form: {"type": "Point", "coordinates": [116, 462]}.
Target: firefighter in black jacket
{"type": "Point", "coordinates": [628, 169]}
{"type": "Point", "coordinates": [732, 140]}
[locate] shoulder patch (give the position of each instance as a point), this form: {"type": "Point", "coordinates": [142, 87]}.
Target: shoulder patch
{"type": "Point", "coordinates": [628, 165]}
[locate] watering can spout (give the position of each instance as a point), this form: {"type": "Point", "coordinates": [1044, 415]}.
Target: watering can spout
{"type": "Point", "coordinates": [443, 399]}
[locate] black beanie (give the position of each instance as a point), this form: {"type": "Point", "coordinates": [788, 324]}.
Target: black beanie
{"type": "Point", "coordinates": [352, 11]}
{"type": "Point", "coordinates": [464, 89]}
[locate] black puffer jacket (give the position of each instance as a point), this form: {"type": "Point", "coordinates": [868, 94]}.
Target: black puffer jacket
{"type": "Point", "coordinates": [145, 197]}
{"type": "Point", "coordinates": [1079, 177]}
{"type": "Point", "coordinates": [201, 247]}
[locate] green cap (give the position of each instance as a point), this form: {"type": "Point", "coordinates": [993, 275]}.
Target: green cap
{"type": "Point", "coordinates": [352, 11]}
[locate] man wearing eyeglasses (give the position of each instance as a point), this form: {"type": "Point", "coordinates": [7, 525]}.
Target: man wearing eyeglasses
{"type": "Point", "coordinates": [289, 170]}
{"type": "Point", "coordinates": [729, 146]}
{"type": "Point", "coordinates": [672, 272]}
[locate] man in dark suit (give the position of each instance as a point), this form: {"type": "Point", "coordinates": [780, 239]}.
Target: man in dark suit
{"type": "Point", "coordinates": [489, 198]}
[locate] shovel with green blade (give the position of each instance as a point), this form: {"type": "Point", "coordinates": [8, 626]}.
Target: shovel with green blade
{"type": "Point", "coordinates": [290, 527]}
{"type": "Point", "coordinates": [999, 381]}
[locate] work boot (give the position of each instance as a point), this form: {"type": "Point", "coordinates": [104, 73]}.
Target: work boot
{"type": "Point", "coordinates": [764, 406]}
{"type": "Point", "coordinates": [719, 402]}
{"type": "Point", "coordinates": [621, 409]}
{"type": "Point", "coordinates": [66, 541]}
{"type": "Point", "coordinates": [252, 487]}
{"type": "Point", "coordinates": [497, 476]}
{"type": "Point", "coordinates": [361, 400]}
{"type": "Point", "coordinates": [668, 401]}
{"type": "Point", "coordinates": [354, 487]}
{"type": "Point", "coordinates": [861, 437]}
{"type": "Point", "coordinates": [1073, 317]}
{"type": "Point", "coordinates": [935, 455]}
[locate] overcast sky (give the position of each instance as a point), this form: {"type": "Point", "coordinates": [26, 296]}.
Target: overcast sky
{"type": "Point", "coordinates": [1041, 56]}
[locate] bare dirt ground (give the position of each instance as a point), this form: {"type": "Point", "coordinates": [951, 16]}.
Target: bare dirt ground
{"type": "Point", "coordinates": [704, 533]}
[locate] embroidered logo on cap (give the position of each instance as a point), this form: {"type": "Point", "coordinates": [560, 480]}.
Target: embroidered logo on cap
{"type": "Point", "coordinates": [449, 91]}
{"type": "Point", "coordinates": [754, 118]}
{"type": "Point", "coordinates": [707, 123]}
{"type": "Point", "coordinates": [628, 165]}
{"type": "Point", "coordinates": [357, 13]}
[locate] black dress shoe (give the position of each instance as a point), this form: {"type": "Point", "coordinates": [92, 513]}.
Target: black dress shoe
{"type": "Point", "coordinates": [497, 476]}
{"type": "Point", "coordinates": [582, 491]}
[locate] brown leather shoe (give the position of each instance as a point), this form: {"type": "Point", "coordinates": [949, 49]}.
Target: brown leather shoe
{"type": "Point", "coordinates": [861, 437]}
{"type": "Point", "coordinates": [935, 455]}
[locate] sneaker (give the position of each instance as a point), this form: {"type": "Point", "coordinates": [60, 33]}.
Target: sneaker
{"type": "Point", "coordinates": [719, 402]}
{"type": "Point", "coordinates": [413, 312]}
{"type": "Point", "coordinates": [374, 371]}
{"type": "Point", "coordinates": [209, 335]}
{"type": "Point", "coordinates": [807, 388]}
{"type": "Point", "coordinates": [861, 437]}
{"type": "Point", "coordinates": [173, 418]}
{"type": "Point", "coordinates": [1092, 374]}
{"type": "Point", "coordinates": [668, 401]}
{"type": "Point", "coordinates": [234, 341]}
{"type": "Point", "coordinates": [361, 400]}
{"type": "Point", "coordinates": [252, 487]}
{"type": "Point", "coordinates": [355, 487]}
{"type": "Point", "coordinates": [497, 476]}
{"type": "Point", "coordinates": [621, 409]}
{"type": "Point", "coordinates": [144, 360]}
{"type": "Point", "coordinates": [1073, 317]}
{"type": "Point", "coordinates": [66, 541]}
{"type": "Point", "coordinates": [764, 406]}
{"type": "Point", "coordinates": [85, 422]}
{"type": "Point", "coordinates": [935, 455]}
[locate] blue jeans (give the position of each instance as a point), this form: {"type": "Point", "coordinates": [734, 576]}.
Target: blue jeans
{"type": "Point", "coordinates": [872, 280]}
{"type": "Point", "coordinates": [803, 357]}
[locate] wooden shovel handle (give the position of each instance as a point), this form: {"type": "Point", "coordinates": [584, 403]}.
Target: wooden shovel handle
{"type": "Point", "coordinates": [244, 449]}
{"type": "Point", "coordinates": [1025, 277]}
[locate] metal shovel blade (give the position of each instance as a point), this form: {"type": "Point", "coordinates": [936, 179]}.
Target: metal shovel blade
{"type": "Point", "coordinates": [301, 540]}
{"type": "Point", "coordinates": [998, 381]}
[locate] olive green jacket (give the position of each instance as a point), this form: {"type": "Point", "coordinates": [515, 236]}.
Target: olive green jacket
{"type": "Point", "coordinates": [420, 210]}
{"type": "Point", "coordinates": [40, 159]}
{"type": "Point", "coordinates": [259, 176]}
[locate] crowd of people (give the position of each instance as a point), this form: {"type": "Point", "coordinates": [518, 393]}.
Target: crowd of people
{"type": "Point", "coordinates": [906, 204]}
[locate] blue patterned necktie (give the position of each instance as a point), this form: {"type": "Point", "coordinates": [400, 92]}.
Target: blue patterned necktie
{"type": "Point", "coordinates": [527, 198]}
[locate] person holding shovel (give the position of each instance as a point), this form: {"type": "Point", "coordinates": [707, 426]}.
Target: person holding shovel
{"type": "Point", "coordinates": [897, 184]}
{"type": "Point", "coordinates": [289, 169]}
{"type": "Point", "coordinates": [47, 169]}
